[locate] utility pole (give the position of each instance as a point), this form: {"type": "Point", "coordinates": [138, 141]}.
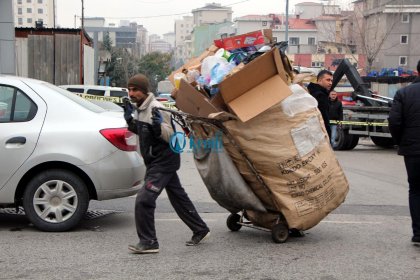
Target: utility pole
{"type": "Point", "coordinates": [286, 33]}
{"type": "Point", "coordinates": [83, 15]}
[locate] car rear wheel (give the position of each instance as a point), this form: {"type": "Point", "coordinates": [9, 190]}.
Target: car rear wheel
{"type": "Point", "coordinates": [55, 200]}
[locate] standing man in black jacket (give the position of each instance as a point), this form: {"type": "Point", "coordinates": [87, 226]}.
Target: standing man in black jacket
{"type": "Point", "coordinates": [155, 130]}
{"type": "Point", "coordinates": [320, 91]}
{"type": "Point", "coordinates": [335, 114]}
{"type": "Point", "coordinates": [404, 125]}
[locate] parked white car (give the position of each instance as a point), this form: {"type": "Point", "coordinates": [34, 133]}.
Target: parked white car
{"type": "Point", "coordinates": [59, 151]}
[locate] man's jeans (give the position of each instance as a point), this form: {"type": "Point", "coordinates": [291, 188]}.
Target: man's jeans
{"type": "Point", "coordinates": [333, 139]}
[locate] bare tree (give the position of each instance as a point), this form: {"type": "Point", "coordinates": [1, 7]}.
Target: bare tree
{"type": "Point", "coordinates": [369, 28]}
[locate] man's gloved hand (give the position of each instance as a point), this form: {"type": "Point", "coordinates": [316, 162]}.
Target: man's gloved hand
{"type": "Point", "coordinates": [157, 120]}
{"type": "Point", "coordinates": [128, 110]}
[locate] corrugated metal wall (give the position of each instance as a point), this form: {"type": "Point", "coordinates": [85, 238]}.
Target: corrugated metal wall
{"type": "Point", "coordinates": [67, 58]}
{"type": "Point", "coordinates": [40, 58]}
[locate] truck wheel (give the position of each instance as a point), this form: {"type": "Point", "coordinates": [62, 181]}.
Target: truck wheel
{"type": "Point", "coordinates": [382, 142]}
{"type": "Point", "coordinates": [55, 200]}
{"type": "Point", "coordinates": [352, 142]}
{"type": "Point", "coordinates": [346, 141]}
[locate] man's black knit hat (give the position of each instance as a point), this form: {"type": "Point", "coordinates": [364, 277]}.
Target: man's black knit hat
{"type": "Point", "coordinates": [139, 81]}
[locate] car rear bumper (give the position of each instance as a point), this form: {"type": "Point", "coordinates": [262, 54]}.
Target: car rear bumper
{"type": "Point", "coordinates": [117, 193]}
{"type": "Point", "coordinates": [119, 175]}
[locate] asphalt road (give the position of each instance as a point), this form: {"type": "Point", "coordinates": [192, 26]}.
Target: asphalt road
{"type": "Point", "coordinates": [367, 237]}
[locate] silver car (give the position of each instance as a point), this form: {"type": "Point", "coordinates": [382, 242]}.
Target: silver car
{"type": "Point", "coordinates": [59, 151]}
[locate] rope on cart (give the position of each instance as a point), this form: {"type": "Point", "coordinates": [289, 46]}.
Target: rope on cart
{"type": "Point", "coordinates": [181, 118]}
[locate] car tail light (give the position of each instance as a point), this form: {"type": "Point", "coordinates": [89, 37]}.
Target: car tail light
{"type": "Point", "coordinates": [162, 99]}
{"type": "Point", "coordinates": [121, 138]}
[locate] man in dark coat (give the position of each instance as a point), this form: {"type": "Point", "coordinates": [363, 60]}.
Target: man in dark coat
{"type": "Point", "coordinates": [335, 114]}
{"type": "Point", "coordinates": [155, 130]}
{"type": "Point", "coordinates": [404, 125]}
{"type": "Point", "coordinates": [320, 92]}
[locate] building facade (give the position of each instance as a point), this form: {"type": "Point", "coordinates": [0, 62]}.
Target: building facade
{"type": "Point", "coordinates": [211, 13]}
{"type": "Point", "coordinates": [28, 12]}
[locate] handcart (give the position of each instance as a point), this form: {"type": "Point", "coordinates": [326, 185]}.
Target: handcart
{"type": "Point", "coordinates": [236, 220]}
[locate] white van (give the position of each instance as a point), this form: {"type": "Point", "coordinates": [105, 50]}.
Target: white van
{"type": "Point", "coordinates": [99, 93]}
{"type": "Point", "coordinates": [97, 90]}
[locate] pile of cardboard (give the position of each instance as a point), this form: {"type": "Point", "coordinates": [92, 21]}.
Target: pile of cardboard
{"type": "Point", "coordinates": [281, 148]}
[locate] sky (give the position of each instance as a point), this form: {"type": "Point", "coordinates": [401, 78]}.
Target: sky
{"type": "Point", "coordinates": [158, 16]}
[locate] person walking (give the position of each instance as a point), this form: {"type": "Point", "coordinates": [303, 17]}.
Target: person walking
{"type": "Point", "coordinates": [336, 114]}
{"type": "Point", "coordinates": [154, 129]}
{"type": "Point", "coordinates": [320, 92]}
{"type": "Point", "coordinates": [404, 125]}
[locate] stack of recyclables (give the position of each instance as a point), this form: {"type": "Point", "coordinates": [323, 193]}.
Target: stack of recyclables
{"type": "Point", "coordinates": [289, 150]}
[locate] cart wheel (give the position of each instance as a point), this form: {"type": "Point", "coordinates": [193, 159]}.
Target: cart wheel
{"type": "Point", "coordinates": [279, 233]}
{"type": "Point", "coordinates": [232, 222]}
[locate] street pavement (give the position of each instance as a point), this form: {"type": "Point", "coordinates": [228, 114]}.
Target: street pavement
{"type": "Point", "coordinates": [367, 237]}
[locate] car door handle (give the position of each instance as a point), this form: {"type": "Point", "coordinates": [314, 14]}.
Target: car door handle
{"type": "Point", "coordinates": [16, 140]}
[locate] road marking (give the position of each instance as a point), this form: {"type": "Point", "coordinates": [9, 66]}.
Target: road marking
{"type": "Point", "coordinates": [179, 220]}
{"type": "Point", "coordinates": [350, 222]}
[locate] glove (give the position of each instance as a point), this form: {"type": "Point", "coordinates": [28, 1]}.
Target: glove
{"type": "Point", "coordinates": [157, 120]}
{"type": "Point", "coordinates": [128, 110]}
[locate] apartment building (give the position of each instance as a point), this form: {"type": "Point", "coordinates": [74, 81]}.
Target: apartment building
{"type": "Point", "coordinates": [28, 12]}
{"type": "Point", "coordinates": [183, 29]}
{"type": "Point", "coordinates": [391, 30]}
{"type": "Point", "coordinates": [211, 13]}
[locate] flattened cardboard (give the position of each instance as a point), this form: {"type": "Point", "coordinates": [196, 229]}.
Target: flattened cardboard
{"type": "Point", "coordinates": [191, 101]}
{"type": "Point", "coordinates": [261, 84]}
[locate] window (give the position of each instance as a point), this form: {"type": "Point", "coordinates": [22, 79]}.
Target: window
{"type": "Point", "coordinates": [39, 1]}
{"type": "Point", "coordinates": [19, 11]}
{"type": "Point", "coordinates": [317, 64]}
{"type": "Point", "coordinates": [76, 90]}
{"type": "Point", "coordinates": [339, 49]}
{"type": "Point", "coordinates": [40, 11]}
{"type": "Point", "coordinates": [29, 20]}
{"type": "Point", "coordinates": [118, 93]}
{"type": "Point", "coordinates": [20, 21]}
{"type": "Point", "coordinates": [403, 60]}
{"type": "Point", "coordinates": [29, 10]}
{"type": "Point", "coordinates": [264, 23]}
{"type": "Point", "coordinates": [405, 18]}
{"type": "Point", "coordinates": [294, 41]}
{"type": "Point", "coordinates": [15, 106]}
{"type": "Point", "coordinates": [28, 1]}
{"type": "Point", "coordinates": [311, 41]}
{"type": "Point", "coordinates": [96, 92]}
{"type": "Point", "coordinates": [404, 39]}
{"type": "Point", "coordinates": [19, 1]}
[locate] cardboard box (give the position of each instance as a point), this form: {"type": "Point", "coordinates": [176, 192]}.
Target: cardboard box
{"type": "Point", "coordinates": [191, 101]}
{"type": "Point", "coordinates": [258, 86]}
{"type": "Point", "coordinates": [259, 37]}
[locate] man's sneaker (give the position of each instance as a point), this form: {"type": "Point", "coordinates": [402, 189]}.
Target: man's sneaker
{"type": "Point", "coordinates": [416, 240]}
{"type": "Point", "coordinates": [197, 238]}
{"type": "Point", "coordinates": [144, 249]}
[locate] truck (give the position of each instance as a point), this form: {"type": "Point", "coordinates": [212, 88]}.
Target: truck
{"type": "Point", "coordinates": [369, 118]}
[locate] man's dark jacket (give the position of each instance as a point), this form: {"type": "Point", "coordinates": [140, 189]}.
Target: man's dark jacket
{"type": "Point", "coordinates": [321, 95]}
{"type": "Point", "coordinates": [155, 150]}
{"type": "Point", "coordinates": [335, 110]}
{"type": "Point", "coordinates": [404, 119]}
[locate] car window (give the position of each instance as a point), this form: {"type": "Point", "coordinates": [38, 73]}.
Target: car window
{"type": "Point", "coordinates": [15, 106]}
{"type": "Point", "coordinates": [78, 90]}
{"type": "Point", "coordinates": [118, 93]}
{"type": "Point", "coordinates": [98, 92]}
